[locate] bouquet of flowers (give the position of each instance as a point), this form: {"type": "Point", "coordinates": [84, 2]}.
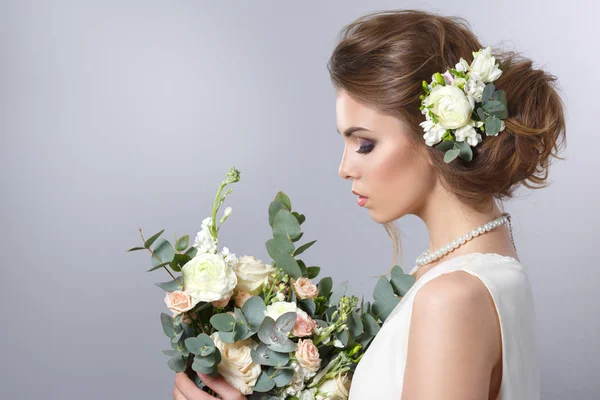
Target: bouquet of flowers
{"type": "Point", "coordinates": [269, 330]}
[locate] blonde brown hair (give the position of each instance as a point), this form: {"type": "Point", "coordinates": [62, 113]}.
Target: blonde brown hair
{"type": "Point", "coordinates": [382, 59]}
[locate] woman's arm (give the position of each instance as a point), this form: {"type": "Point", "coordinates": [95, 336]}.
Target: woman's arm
{"type": "Point", "coordinates": [454, 340]}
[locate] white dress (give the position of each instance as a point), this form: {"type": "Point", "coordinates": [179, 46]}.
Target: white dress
{"type": "Point", "coordinates": [380, 373]}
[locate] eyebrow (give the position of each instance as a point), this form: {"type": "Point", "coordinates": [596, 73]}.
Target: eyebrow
{"type": "Point", "coordinates": [352, 129]}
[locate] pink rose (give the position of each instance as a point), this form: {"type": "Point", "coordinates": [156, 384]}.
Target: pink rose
{"type": "Point", "coordinates": [178, 302]}
{"type": "Point", "coordinates": [304, 325]}
{"type": "Point", "coordinates": [220, 303]}
{"type": "Point", "coordinates": [240, 298]}
{"type": "Point", "coordinates": [307, 355]}
{"type": "Point", "coordinates": [305, 289]}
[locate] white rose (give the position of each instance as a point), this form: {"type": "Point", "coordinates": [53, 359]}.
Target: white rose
{"type": "Point", "coordinates": [433, 132]}
{"type": "Point", "coordinates": [236, 365]}
{"type": "Point", "coordinates": [484, 65]}
{"type": "Point", "coordinates": [207, 277]}
{"type": "Point", "coordinates": [469, 133]}
{"type": "Point", "coordinates": [279, 308]}
{"type": "Point", "coordinates": [450, 105]}
{"type": "Point", "coordinates": [251, 274]}
{"type": "Point", "coordinates": [337, 388]}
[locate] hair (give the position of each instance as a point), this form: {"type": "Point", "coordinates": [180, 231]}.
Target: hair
{"type": "Point", "coordinates": [382, 59]}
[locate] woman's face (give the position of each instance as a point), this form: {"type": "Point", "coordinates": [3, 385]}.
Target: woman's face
{"type": "Point", "coordinates": [381, 162]}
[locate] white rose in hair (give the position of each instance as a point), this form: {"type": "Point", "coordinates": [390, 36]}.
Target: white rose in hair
{"type": "Point", "coordinates": [450, 105]}
{"type": "Point", "coordinates": [433, 132]}
{"type": "Point", "coordinates": [251, 274]}
{"type": "Point", "coordinates": [236, 365]}
{"type": "Point", "coordinates": [484, 65]}
{"type": "Point", "coordinates": [207, 277]}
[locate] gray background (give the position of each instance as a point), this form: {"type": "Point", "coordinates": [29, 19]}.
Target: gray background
{"type": "Point", "coordinates": [124, 114]}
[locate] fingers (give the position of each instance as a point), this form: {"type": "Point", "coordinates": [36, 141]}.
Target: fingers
{"type": "Point", "coordinates": [188, 389]}
{"type": "Point", "coordinates": [222, 387]}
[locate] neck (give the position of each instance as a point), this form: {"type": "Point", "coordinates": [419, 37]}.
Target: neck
{"type": "Point", "coordinates": [447, 218]}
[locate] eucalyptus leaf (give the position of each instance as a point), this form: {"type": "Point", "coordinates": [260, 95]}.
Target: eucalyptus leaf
{"type": "Point", "coordinates": [325, 286]}
{"type": "Point", "coordinates": [191, 252]}
{"type": "Point", "coordinates": [177, 364]}
{"type": "Point", "coordinates": [289, 264]}
{"type": "Point", "coordinates": [223, 322]}
{"type": "Point", "coordinates": [285, 322]}
{"type": "Point", "coordinates": [466, 153]}
{"type": "Point", "coordinates": [344, 337]}
{"type": "Point", "coordinates": [402, 283]}
{"type": "Point", "coordinates": [227, 337]}
{"type": "Point", "coordinates": [171, 353]}
{"type": "Point", "coordinates": [300, 217]}
{"type": "Point", "coordinates": [167, 324]}
{"type": "Point", "coordinates": [137, 248]}
{"type": "Point", "coordinates": [286, 225]}
{"type": "Point", "coordinates": [254, 310]}
{"type": "Point", "coordinates": [164, 251]}
{"type": "Point", "coordinates": [355, 325]}
{"type": "Point", "coordinates": [308, 305]}
{"type": "Point", "coordinates": [451, 155]}
{"type": "Point", "coordinates": [383, 308]}
{"type": "Point", "coordinates": [313, 272]}
{"type": "Point", "coordinates": [264, 383]}
{"type": "Point", "coordinates": [284, 199]}
{"type": "Point", "coordinates": [157, 266]}
{"type": "Point", "coordinates": [198, 367]}
{"type": "Point", "coordinates": [282, 377]}
{"type": "Point", "coordinates": [196, 344]}
{"type": "Point", "coordinates": [171, 286]}
{"type": "Point", "coordinates": [178, 336]}
{"type": "Point", "coordinates": [338, 293]}
{"type": "Point", "coordinates": [492, 125]}
{"type": "Point", "coordinates": [445, 145]}
{"type": "Point", "coordinates": [279, 245]}
{"type": "Point", "coordinates": [274, 208]}
{"type": "Point", "coordinates": [303, 248]}
{"type": "Point", "coordinates": [371, 326]}
{"type": "Point", "coordinates": [179, 260]}
{"type": "Point", "coordinates": [240, 331]}
{"type": "Point", "coordinates": [396, 271]}
{"type": "Point", "coordinates": [152, 239]}
{"type": "Point", "coordinates": [495, 107]}
{"type": "Point", "coordinates": [488, 91]}
{"type": "Point", "coordinates": [302, 266]}
{"type": "Point", "coordinates": [182, 243]}
{"type": "Point", "coordinates": [265, 356]}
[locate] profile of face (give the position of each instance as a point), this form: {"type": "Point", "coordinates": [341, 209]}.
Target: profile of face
{"type": "Point", "coordinates": [381, 162]}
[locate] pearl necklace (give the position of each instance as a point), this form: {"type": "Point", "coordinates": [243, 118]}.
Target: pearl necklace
{"type": "Point", "coordinates": [428, 257]}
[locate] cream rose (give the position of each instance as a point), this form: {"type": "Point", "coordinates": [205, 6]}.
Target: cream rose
{"type": "Point", "coordinates": [307, 355]}
{"type": "Point", "coordinates": [304, 326]}
{"type": "Point", "coordinates": [305, 289]}
{"type": "Point", "coordinates": [178, 302]}
{"type": "Point", "coordinates": [484, 65]}
{"type": "Point", "coordinates": [337, 388]}
{"type": "Point", "coordinates": [279, 308]}
{"type": "Point", "coordinates": [207, 277]}
{"type": "Point", "coordinates": [251, 274]}
{"type": "Point", "coordinates": [450, 105]}
{"type": "Point", "coordinates": [236, 365]}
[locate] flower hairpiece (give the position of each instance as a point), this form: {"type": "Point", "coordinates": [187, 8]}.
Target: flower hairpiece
{"type": "Point", "coordinates": [462, 101]}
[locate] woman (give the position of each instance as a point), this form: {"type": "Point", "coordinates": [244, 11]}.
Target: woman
{"type": "Point", "coordinates": [466, 328]}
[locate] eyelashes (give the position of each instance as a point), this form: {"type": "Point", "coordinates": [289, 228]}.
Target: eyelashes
{"type": "Point", "coordinates": [366, 148]}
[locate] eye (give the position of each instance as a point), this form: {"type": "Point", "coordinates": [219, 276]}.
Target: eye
{"type": "Point", "coordinates": [365, 147]}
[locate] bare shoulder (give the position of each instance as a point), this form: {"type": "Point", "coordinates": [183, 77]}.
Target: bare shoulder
{"type": "Point", "coordinates": [454, 339]}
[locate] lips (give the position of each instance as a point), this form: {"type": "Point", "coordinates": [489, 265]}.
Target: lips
{"type": "Point", "coordinates": [358, 194]}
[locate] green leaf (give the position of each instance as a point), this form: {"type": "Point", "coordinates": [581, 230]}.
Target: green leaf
{"type": "Point", "coordinates": [264, 383]}
{"type": "Point", "coordinates": [179, 260]}
{"type": "Point", "coordinates": [198, 367]}
{"type": "Point", "coordinates": [151, 240]}
{"type": "Point", "coordinates": [275, 339]}
{"type": "Point", "coordinates": [191, 252]}
{"type": "Point", "coordinates": [383, 289]}
{"type": "Point", "coordinates": [480, 114]}
{"type": "Point", "coordinates": [285, 322]}
{"type": "Point", "coordinates": [171, 286]}
{"type": "Point", "coordinates": [223, 322]}
{"type": "Point", "coordinates": [396, 271]}
{"type": "Point", "coordinates": [300, 217]}
{"type": "Point", "coordinates": [286, 225]}
{"type": "Point", "coordinates": [197, 344]}
{"type": "Point", "coordinates": [355, 325]}
{"type": "Point", "coordinates": [325, 286]}
{"type": "Point", "coordinates": [274, 208]}
{"type": "Point", "coordinates": [492, 125]}
{"type": "Point", "coordinates": [302, 248]}
{"type": "Point", "coordinates": [137, 248]}
{"type": "Point", "coordinates": [465, 151]}
{"type": "Point", "coordinates": [289, 264]}
{"type": "Point", "coordinates": [445, 145]}
{"type": "Point", "coordinates": [177, 364]}
{"type": "Point", "coordinates": [254, 310]}
{"type": "Point", "coordinates": [158, 266]}
{"type": "Point", "coordinates": [284, 199]}
{"type": "Point", "coordinates": [182, 243]}
{"type": "Point", "coordinates": [265, 356]}
{"type": "Point", "coordinates": [282, 377]}
{"type": "Point", "coordinates": [371, 326]}
{"type": "Point", "coordinates": [312, 272]}
{"type": "Point", "coordinates": [279, 245]}
{"type": "Point", "coordinates": [171, 353]}
{"type": "Point", "coordinates": [302, 266]}
{"type": "Point", "coordinates": [167, 324]}
{"type": "Point", "coordinates": [338, 293]}
{"type": "Point", "coordinates": [402, 283]}
{"type": "Point", "coordinates": [494, 107]}
{"type": "Point", "coordinates": [488, 91]}
{"type": "Point", "coordinates": [307, 305]}
{"type": "Point", "coordinates": [344, 337]}
{"type": "Point", "coordinates": [451, 155]}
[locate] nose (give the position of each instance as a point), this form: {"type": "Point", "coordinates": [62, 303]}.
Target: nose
{"type": "Point", "coordinates": [346, 171]}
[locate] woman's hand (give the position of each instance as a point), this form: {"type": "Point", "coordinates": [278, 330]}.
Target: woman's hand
{"type": "Point", "coordinates": [185, 389]}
